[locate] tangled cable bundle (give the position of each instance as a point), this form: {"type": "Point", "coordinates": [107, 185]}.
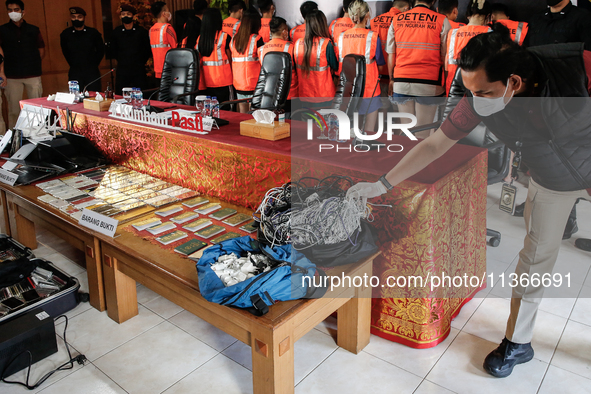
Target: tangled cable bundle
{"type": "Point", "coordinates": [306, 216]}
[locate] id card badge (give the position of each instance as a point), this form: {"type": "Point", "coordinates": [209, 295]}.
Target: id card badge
{"type": "Point", "coordinates": [507, 202]}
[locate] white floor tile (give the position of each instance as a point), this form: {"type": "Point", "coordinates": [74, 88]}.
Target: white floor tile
{"type": "Point", "coordinates": [65, 264]}
{"type": "Point", "coordinates": [94, 334]}
{"type": "Point", "coordinates": [219, 375]}
{"type": "Point", "coordinates": [155, 360]}
{"type": "Point", "coordinates": [40, 368]}
{"type": "Point", "coordinates": [507, 225]}
{"type": "Point", "coordinates": [560, 301]}
{"type": "Point", "coordinates": [490, 320]}
{"type": "Point", "coordinates": [328, 326]}
{"type": "Point", "coordinates": [508, 249]}
{"type": "Point", "coordinates": [87, 380]}
{"type": "Point", "coordinates": [163, 307]}
{"type": "Point", "coordinates": [145, 295]}
{"type": "Point", "coordinates": [202, 330]}
{"type": "Point", "coordinates": [240, 353]}
{"type": "Point", "coordinates": [575, 263]}
{"type": "Point", "coordinates": [427, 387]}
{"type": "Point", "coordinates": [344, 372]}
{"type": "Point", "coordinates": [574, 350]}
{"type": "Point", "coordinates": [560, 381]}
{"type": "Point", "coordinates": [43, 251]}
{"type": "Point", "coordinates": [416, 361]}
{"type": "Point", "coordinates": [581, 312]}
{"type": "Point", "coordinates": [310, 351]}
{"type": "Point", "coordinates": [466, 312]}
{"type": "Point", "coordinates": [460, 370]}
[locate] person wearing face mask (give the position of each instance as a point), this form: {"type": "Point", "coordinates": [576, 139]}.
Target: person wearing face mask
{"type": "Point", "coordinates": [23, 48]}
{"type": "Point", "coordinates": [359, 40]}
{"type": "Point", "coordinates": [162, 36]}
{"type": "Point", "coordinates": [130, 46]}
{"type": "Point", "coordinates": [550, 133]}
{"type": "Point", "coordinates": [83, 49]}
{"type": "Point", "coordinates": [280, 43]}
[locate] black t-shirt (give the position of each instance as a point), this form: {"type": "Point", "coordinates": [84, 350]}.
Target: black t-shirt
{"type": "Point", "coordinates": [572, 24]}
{"type": "Point", "coordinates": [131, 48]}
{"type": "Point", "coordinates": [82, 49]}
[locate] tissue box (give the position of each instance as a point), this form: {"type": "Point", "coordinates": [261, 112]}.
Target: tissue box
{"type": "Point", "coordinates": [271, 132]}
{"type": "Point", "coordinates": [91, 103]}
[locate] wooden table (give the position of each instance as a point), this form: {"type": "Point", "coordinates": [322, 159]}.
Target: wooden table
{"type": "Point", "coordinates": [21, 212]}
{"type": "Point", "coordinates": [128, 259]}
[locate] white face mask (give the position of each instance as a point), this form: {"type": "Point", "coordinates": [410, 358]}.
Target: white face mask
{"type": "Point", "coordinates": [15, 16]}
{"type": "Point", "coordinates": [169, 16]}
{"type": "Point", "coordinates": [486, 106]}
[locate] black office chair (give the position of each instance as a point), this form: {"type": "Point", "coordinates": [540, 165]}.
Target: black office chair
{"type": "Point", "coordinates": [180, 77]}
{"type": "Point", "coordinates": [351, 84]}
{"type": "Point", "coordinates": [274, 82]}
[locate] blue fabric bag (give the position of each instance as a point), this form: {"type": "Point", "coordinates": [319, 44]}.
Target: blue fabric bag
{"type": "Point", "coordinates": [282, 283]}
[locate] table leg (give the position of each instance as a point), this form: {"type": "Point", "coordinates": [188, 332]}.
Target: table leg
{"type": "Point", "coordinates": [94, 271]}
{"type": "Point", "coordinates": [272, 361]}
{"type": "Point", "coordinates": [4, 222]}
{"type": "Point", "coordinates": [25, 230]}
{"type": "Point", "coordinates": [120, 291]}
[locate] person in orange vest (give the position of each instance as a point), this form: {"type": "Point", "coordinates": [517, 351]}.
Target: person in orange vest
{"type": "Point", "coordinates": [449, 8]}
{"type": "Point", "coordinates": [300, 30]}
{"type": "Point", "coordinates": [245, 57]}
{"type": "Point", "coordinates": [279, 43]}
{"type": "Point", "coordinates": [162, 35]}
{"type": "Point", "coordinates": [359, 40]}
{"type": "Point", "coordinates": [478, 14]}
{"type": "Point", "coordinates": [213, 45]}
{"type": "Point", "coordinates": [339, 25]}
{"type": "Point", "coordinates": [500, 13]}
{"type": "Point", "coordinates": [267, 8]}
{"type": "Point", "coordinates": [192, 27]}
{"type": "Point", "coordinates": [416, 48]}
{"type": "Point", "coordinates": [380, 24]}
{"type": "Point", "coordinates": [232, 23]}
{"type": "Point", "coordinates": [316, 61]}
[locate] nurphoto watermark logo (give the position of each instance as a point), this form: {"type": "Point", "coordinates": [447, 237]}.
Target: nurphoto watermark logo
{"type": "Point", "coordinates": [359, 137]}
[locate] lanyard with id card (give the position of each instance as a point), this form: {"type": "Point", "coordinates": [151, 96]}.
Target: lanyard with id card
{"type": "Point", "coordinates": [508, 192]}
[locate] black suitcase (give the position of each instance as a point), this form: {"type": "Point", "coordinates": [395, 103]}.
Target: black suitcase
{"type": "Point", "coordinates": [16, 264]}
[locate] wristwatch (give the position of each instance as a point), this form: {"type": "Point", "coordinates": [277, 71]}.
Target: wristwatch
{"type": "Point", "coordinates": [386, 184]}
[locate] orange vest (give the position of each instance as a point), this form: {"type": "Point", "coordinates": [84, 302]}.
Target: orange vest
{"type": "Point", "coordinates": [338, 26]}
{"type": "Point", "coordinates": [418, 46]}
{"type": "Point", "coordinates": [381, 24]}
{"type": "Point", "coordinates": [230, 26]}
{"type": "Point", "coordinates": [278, 45]}
{"type": "Point", "coordinates": [317, 86]}
{"type": "Point", "coordinates": [184, 41]}
{"type": "Point", "coordinates": [518, 29]}
{"type": "Point", "coordinates": [216, 70]}
{"type": "Point", "coordinates": [265, 31]}
{"type": "Point", "coordinates": [362, 42]}
{"type": "Point", "coordinates": [161, 42]}
{"type": "Point", "coordinates": [298, 32]}
{"type": "Point", "coordinates": [246, 66]}
{"type": "Point", "coordinates": [455, 25]}
{"type": "Point", "coordinates": [457, 39]}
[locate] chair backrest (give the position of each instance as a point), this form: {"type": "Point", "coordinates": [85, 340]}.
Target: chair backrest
{"type": "Point", "coordinates": [272, 88]}
{"type": "Point", "coordinates": [180, 75]}
{"type": "Point", "coordinates": [351, 84]}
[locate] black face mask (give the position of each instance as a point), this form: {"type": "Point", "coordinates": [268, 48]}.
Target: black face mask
{"type": "Point", "coordinates": [552, 3]}
{"type": "Point", "coordinates": [77, 23]}
{"type": "Point", "coordinates": [127, 20]}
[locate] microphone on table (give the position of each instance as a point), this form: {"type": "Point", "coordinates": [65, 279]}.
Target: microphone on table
{"type": "Point", "coordinates": [151, 108]}
{"type": "Point", "coordinates": [99, 78]}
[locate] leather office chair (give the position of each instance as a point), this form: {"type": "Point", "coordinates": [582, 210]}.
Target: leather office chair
{"type": "Point", "coordinates": [273, 85]}
{"type": "Point", "coordinates": [351, 84]}
{"type": "Point", "coordinates": [180, 76]}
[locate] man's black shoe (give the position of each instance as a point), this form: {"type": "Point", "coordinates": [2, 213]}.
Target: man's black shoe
{"type": "Point", "coordinates": [500, 362]}
{"type": "Point", "coordinates": [571, 228]}
{"type": "Point", "coordinates": [519, 210]}
{"type": "Point", "coordinates": [583, 244]}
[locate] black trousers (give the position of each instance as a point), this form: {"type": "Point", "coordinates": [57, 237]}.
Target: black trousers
{"type": "Point", "coordinates": [84, 77]}
{"type": "Point", "coordinates": [130, 77]}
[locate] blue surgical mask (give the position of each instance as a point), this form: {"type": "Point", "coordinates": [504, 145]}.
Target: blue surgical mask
{"type": "Point", "coordinates": [487, 106]}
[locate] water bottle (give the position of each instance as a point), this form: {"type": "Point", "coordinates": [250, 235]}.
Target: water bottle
{"type": "Point", "coordinates": [215, 107]}
{"type": "Point", "coordinates": [74, 87]}
{"type": "Point", "coordinates": [207, 106]}
{"type": "Point", "coordinates": [333, 127]}
{"type": "Point", "coordinates": [336, 123]}
{"type": "Point", "coordinates": [134, 98]}
{"type": "Point", "coordinates": [139, 97]}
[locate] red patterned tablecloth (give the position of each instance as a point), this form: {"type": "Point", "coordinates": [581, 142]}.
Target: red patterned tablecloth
{"type": "Point", "coordinates": [437, 223]}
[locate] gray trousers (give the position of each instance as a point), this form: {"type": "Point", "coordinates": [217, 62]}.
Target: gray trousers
{"type": "Point", "coordinates": [546, 213]}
